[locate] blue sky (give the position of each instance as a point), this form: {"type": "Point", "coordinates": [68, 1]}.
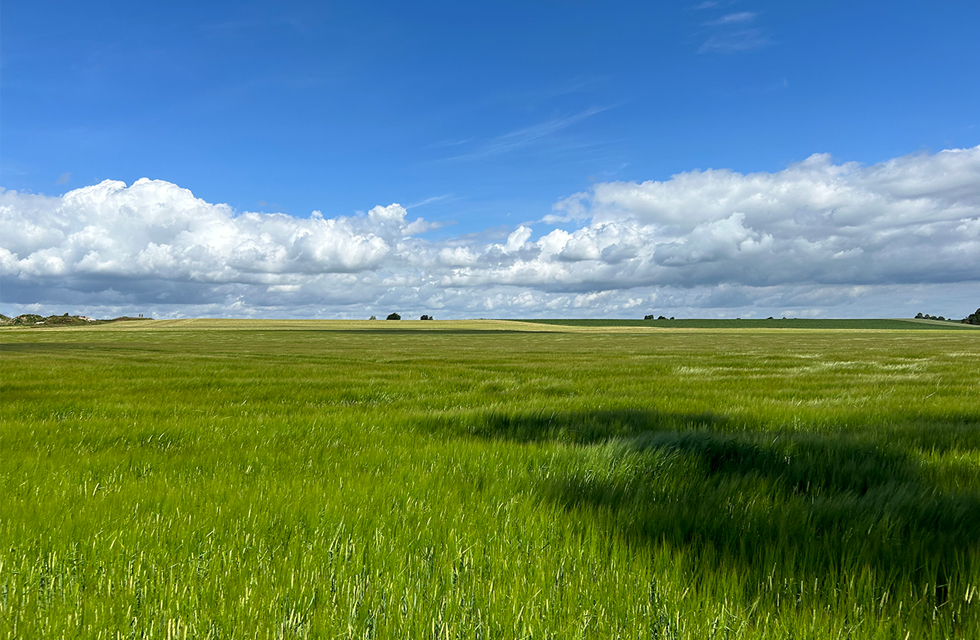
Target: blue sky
{"type": "Point", "coordinates": [479, 117]}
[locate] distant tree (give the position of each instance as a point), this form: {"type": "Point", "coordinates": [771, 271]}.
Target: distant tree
{"type": "Point", "coordinates": [426, 318]}
{"type": "Point", "coordinates": [648, 317]}
{"type": "Point", "coordinates": [662, 318]}
{"type": "Point", "coordinates": [393, 316]}
{"type": "Point", "coordinates": [373, 318]}
{"type": "Point", "coordinates": [973, 318]}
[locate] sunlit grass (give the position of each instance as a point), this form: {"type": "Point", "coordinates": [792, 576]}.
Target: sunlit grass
{"type": "Point", "coordinates": [468, 479]}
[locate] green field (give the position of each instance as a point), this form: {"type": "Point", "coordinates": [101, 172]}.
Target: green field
{"type": "Point", "coordinates": [762, 323]}
{"type": "Point", "coordinates": [291, 479]}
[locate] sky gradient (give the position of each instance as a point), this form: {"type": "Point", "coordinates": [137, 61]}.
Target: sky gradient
{"type": "Point", "coordinates": [713, 159]}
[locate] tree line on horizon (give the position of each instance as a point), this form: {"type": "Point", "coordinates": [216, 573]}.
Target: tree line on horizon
{"type": "Point", "coordinates": [973, 318]}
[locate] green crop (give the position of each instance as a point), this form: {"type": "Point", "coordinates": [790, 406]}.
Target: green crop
{"type": "Point", "coordinates": [251, 479]}
{"type": "Point", "coordinates": [763, 323]}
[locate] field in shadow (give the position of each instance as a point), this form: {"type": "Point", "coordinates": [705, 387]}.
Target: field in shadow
{"type": "Point", "coordinates": [828, 504]}
{"type": "Point", "coordinates": [30, 347]}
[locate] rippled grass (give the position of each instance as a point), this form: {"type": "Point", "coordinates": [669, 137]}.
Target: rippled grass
{"type": "Point", "coordinates": [230, 479]}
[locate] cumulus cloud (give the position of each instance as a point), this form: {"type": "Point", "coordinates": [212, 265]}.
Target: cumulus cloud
{"type": "Point", "coordinates": [154, 228]}
{"type": "Point", "coordinates": [911, 219]}
{"type": "Point", "coordinates": [815, 236]}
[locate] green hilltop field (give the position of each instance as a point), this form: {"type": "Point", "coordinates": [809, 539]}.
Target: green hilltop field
{"type": "Point", "coordinates": [490, 479]}
{"type": "Point", "coordinates": [764, 323]}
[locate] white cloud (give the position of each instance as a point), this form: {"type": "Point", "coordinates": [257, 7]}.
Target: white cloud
{"type": "Point", "coordinates": [392, 213]}
{"type": "Point", "coordinates": [157, 229]}
{"type": "Point", "coordinates": [517, 239]}
{"type": "Point", "coordinates": [905, 220]}
{"type": "Point", "coordinates": [733, 33]}
{"type": "Point", "coordinates": [458, 257]}
{"type": "Point", "coordinates": [527, 136]}
{"type": "Point", "coordinates": [815, 236]}
{"type": "Point", "coordinates": [735, 41]}
{"type": "Point", "coordinates": [739, 17]}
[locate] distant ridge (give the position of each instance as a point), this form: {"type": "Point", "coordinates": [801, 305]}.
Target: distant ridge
{"type": "Point", "coordinates": [35, 320]}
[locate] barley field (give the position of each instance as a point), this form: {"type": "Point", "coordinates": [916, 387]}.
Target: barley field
{"type": "Point", "coordinates": [488, 479]}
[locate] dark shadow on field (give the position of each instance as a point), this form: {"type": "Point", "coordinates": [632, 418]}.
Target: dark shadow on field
{"type": "Point", "coordinates": [821, 502]}
{"type": "Point", "coordinates": [20, 347]}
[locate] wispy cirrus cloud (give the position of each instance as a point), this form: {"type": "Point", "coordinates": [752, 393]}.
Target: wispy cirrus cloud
{"type": "Point", "coordinates": [527, 136]}
{"type": "Point", "coordinates": [740, 17]}
{"type": "Point", "coordinates": [735, 41]}
{"type": "Point", "coordinates": [442, 144]}
{"type": "Point", "coordinates": [733, 33]}
{"type": "Point", "coordinates": [432, 200]}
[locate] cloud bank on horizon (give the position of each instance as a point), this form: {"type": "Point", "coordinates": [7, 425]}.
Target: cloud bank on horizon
{"type": "Point", "coordinates": [816, 238]}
